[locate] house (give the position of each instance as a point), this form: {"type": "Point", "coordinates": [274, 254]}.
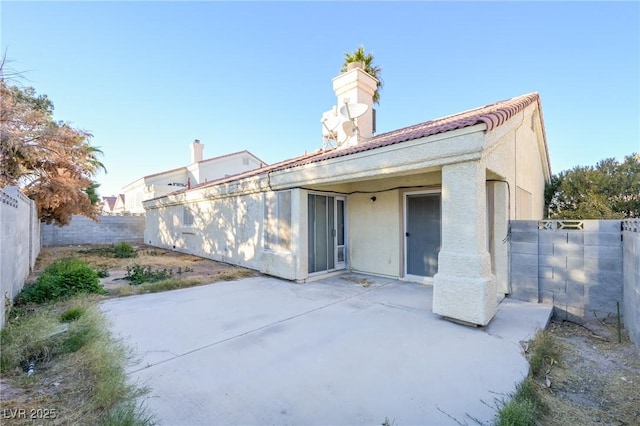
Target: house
{"type": "Point", "coordinates": [107, 204]}
{"type": "Point", "coordinates": [427, 203]}
{"type": "Point", "coordinates": [112, 205]}
{"type": "Point", "coordinates": [120, 206]}
{"type": "Point", "coordinates": [199, 171]}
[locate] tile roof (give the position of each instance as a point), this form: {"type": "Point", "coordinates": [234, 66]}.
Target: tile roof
{"type": "Point", "coordinates": [109, 201]}
{"type": "Point", "coordinates": [492, 115]}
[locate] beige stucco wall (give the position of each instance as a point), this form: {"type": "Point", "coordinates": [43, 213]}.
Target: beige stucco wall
{"type": "Point", "coordinates": [515, 152]}
{"type": "Point", "coordinates": [407, 158]}
{"type": "Point", "coordinates": [374, 233]}
{"type": "Point", "coordinates": [376, 229]}
{"type": "Point", "coordinates": [292, 264]}
{"type": "Point", "coordinates": [227, 229]}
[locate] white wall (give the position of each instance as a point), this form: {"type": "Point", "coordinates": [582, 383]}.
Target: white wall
{"type": "Point", "coordinates": [133, 196]}
{"type": "Point", "coordinates": [374, 233]}
{"type": "Point", "coordinates": [631, 278]}
{"type": "Point", "coordinates": [227, 229]}
{"type": "Point", "coordinates": [19, 243]}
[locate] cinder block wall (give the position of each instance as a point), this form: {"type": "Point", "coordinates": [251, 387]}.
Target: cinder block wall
{"type": "Point", "coordinates": [631, 265]}
{"type": "Point", "coordinates": [574, 265]}
{"type": "Point", "coordinates": [82, 230]}
{"type": "Point", "coordinates": [19, 243]}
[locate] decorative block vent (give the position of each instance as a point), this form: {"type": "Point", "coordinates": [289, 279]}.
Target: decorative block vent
{"type": "Point", "coordinates": [566, 225]}
{"type": "Point", "coordinates": [8, 200]}
{"type": "Point", "coordinates": [631, 225]}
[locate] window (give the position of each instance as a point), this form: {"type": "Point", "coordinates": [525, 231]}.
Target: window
{"type": "Point", "coordinates": [277, 221]}
{"type": "Point", "coordinates": [187, 216]}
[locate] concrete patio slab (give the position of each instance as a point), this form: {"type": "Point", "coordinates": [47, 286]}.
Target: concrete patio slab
{"type": "Point", "coordinates": [266, 351]}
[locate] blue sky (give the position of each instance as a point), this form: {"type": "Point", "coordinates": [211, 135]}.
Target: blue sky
{"type": "Point", "coordinates": [146, 78]}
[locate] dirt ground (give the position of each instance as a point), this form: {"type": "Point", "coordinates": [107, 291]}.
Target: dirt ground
{"type": "Point", "coordinates": [193, 268]}
{"type": "Point", "coordinates": [597, 380]}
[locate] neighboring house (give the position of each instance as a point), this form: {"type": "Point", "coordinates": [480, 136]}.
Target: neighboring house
{"type": "Point", "coordinates": [120, 206]}
{"type": "Point", "coordinates": [428, 203]}
{"type": "Point", "coordinates": [113, 205]}
{"type": "Point", "coordinates": [198, 172]}
{"type": "Point", "coordinates": [107, 204]}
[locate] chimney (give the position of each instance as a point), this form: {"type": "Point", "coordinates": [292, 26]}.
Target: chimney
{"type": "Point", "coordinates": [351, 87]}
{"type": "Point", "coordinates": [196, 151]}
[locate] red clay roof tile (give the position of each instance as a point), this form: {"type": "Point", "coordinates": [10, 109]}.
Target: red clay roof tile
{"type": "Point", "coordinates": [492, 115]}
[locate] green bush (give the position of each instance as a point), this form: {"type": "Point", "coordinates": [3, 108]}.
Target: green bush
{"type": "Point", "coordinates": [63, 278]}
{"type": "Point", "coordinates": [124, 250]}
{"type": "Point", "coordinates": [137, 274]}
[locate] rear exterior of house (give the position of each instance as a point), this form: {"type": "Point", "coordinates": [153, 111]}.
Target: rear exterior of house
{"type": "Point", "coordinates": [428, 203]}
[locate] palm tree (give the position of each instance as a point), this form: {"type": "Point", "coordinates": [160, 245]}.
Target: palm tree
{"type": "Point", "coordinates": [373, 70]}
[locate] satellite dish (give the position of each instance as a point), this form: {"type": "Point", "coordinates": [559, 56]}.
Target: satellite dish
{"type": "Point", "coordinates": [349, 128]}
{"type": "Point", "coordinates": [329, 124]}
{"type": "Point", "coordinates": [351, 111]}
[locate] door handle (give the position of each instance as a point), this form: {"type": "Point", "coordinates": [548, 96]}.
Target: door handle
{"type": "Point", "coordinates": [406, 234]}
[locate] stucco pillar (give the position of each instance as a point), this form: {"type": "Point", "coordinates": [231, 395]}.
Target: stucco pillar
{"type": "Point", "coordinates": [464, 288]}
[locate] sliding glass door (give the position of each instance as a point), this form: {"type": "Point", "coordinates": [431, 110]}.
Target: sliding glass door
{"type": "Point", "coordinates": [327, 239]}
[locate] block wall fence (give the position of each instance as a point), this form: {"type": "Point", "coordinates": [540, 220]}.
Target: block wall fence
{"type": "Point", "coordinates": [585, 268]}
{"type": "Point", "coordinates": [631, 274]}
{"type": "Point", "coordinates": [82, 230]}
{"type": "Point", "coordinates": [19, 244]}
